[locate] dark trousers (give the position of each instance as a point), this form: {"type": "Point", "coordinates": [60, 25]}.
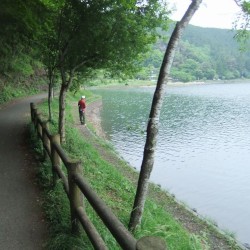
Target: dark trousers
{"type": "Point", "coordinates": [82, 116]}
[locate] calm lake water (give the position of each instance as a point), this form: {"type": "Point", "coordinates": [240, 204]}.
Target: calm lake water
{"type": "Point", "coordinates": [203, 150]}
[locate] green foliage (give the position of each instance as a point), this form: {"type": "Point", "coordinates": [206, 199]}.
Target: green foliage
{"type": "Point", "coordinates": [19, 26]}
{"type": "Point", "coordinates": [23, 66]}
{"type": "Point", "coordinates": [10, 92]}
{"type": "Point", "coordinates": [242, 21]}
{"type": "Point", "coordinates": [183, 76]}
{"type": "Point", "coordinates": [103, 34]}
{"type": "Point", "coordinates": [203, 54]}
{"type": "Point", "coordinates": [83, 36]}
{"type": "Point", "coordinates": [242, 24]}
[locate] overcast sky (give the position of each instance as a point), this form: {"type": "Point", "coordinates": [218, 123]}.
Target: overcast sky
{"type": "Point", "coordinates": [212, 13]}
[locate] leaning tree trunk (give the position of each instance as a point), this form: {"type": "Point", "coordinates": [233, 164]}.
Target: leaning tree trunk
{"type": "Point", "coordinates": [153, 122]}
{"type": "Point", "coordinates": [62, 106]}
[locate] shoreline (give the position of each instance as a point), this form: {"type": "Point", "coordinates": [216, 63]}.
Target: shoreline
{"type": "Point", "coordinates": [152, 84]}
{"type": "Point", "coordinates": [94, 117]}
{"type": "Point", "coordinates": [190, 219]}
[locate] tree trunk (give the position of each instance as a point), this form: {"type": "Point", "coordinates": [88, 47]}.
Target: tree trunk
{"type": "Point", "coordinates": [49, 102]}
{"type": "Point", "coordinates": [153, 122]}
{"type": "Point", "coordinates": [66, 82]}
{"type": "Point", "coordinates": [62, 105]}
{"type": "Point", "coordinates": [50, 93]}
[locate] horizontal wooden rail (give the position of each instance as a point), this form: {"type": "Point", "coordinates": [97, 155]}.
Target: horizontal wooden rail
{"type": "Point", "coordinates": [76, 186]}
{"type": "Point", "coordinates": [121, 234]}
{"type": "Point", "coordinates": [65, 159]}
{"type": "Point", "coordinates": [64, 179]}
{"type": "Point", "coordinates": [90, 230]}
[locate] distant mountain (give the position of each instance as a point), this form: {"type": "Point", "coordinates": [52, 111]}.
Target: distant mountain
{"type": "Point", "coordinates": [203, 54]}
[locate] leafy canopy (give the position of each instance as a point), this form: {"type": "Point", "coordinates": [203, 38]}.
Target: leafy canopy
{"type": "Point", "coordinates": [103, 34]}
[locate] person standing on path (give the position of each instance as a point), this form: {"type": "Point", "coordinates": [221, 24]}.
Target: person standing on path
{"type": "Point", "coordinates": [82, 107]}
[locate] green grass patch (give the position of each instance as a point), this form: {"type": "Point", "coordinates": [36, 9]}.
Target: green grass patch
{"type": "Point", "coordinates": [10, 91]}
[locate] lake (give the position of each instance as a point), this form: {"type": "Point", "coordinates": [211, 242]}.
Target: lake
{"type": "Point", "coordinates": [203, 149]}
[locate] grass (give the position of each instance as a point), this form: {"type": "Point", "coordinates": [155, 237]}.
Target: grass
{"type": "Point", "coordinates": [11, 91]}
{"type": "Point", "coordinates": [113, 187]}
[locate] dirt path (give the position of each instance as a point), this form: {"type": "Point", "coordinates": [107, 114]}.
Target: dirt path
{"type": "Point", "coordinates": [21, 217]}
{"type": "Point", "coordinates": [189, 219]}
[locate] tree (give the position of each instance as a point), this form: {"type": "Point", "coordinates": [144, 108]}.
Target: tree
{"type": "Point", "coordinates": [102, 34]}
{"type": "Point", "coordinates": [19, 26]}
{"type": "Point", "coordinates": [49, 57]}
{"type": "Point", "coordinates": [153, 122]}
{"type": "Point", "coordinates": [242, 24]}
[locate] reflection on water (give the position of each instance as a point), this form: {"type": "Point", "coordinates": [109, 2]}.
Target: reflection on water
{"type": "Point", "coordinates": [203, 150]}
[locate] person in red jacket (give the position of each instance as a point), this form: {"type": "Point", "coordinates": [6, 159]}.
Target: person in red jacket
{"type": "Point", "coordinates": [82, 107]}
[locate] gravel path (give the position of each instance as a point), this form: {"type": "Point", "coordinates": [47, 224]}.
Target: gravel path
{"type": "Point", "coordinates": [21, 218]}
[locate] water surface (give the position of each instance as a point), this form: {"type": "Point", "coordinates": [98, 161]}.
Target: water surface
{"type": "Point", "coordinates": [203, 150]}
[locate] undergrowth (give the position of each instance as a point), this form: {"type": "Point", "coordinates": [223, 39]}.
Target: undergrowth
{"type": "Point", "coordinates": [10, 92]}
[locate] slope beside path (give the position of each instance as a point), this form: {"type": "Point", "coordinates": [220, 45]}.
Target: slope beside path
{"type": "Point", "coordinates": [21, 218]}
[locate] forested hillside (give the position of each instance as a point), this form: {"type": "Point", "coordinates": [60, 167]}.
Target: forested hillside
{"type": "Point", "coordinates": [203, 54]}
{"type": "Point", "coordinates": [21, 69]}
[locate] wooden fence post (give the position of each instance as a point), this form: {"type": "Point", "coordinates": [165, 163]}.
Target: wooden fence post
{"type": "Point", "coordinates": [151, 243]}
{"type": "Point", "coordinates": [56, 161]}
{"type": "Point", "coordinates": [45, 139]}
{"type": "Point", "coordinates": [75, 195]}
{"type": "Point", "coordinates": [32, 107]}
{"type": "Point", "coordinates": [39, 126]}
{"type": "Point", "coordinates": [35, 118]}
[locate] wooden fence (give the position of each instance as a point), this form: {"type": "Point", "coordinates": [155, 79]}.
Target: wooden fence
{"type": "Point", "coordinates": [76, 187]}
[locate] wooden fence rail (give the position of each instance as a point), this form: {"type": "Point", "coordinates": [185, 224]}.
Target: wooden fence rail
{"type": "Point", "coordinates": [76, 187]}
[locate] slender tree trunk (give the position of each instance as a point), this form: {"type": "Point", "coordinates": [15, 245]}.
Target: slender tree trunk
{"type": "Point", "coordinates": [153, 122]}
{"type": "Point", "coordinates": [49, 102]}
{"type": "Point", "coordinates": [62, 105]}
{"type": "Point", "coordinates": [50, 93]}
{"type": "Point", "coordinates": [66, 82]}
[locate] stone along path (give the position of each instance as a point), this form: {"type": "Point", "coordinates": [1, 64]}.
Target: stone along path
{"type": "Point", "coordinates": [21, 217]}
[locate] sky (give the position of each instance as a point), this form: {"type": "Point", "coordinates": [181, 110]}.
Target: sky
{"type": "Point", "coordinates": [211, 13]}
